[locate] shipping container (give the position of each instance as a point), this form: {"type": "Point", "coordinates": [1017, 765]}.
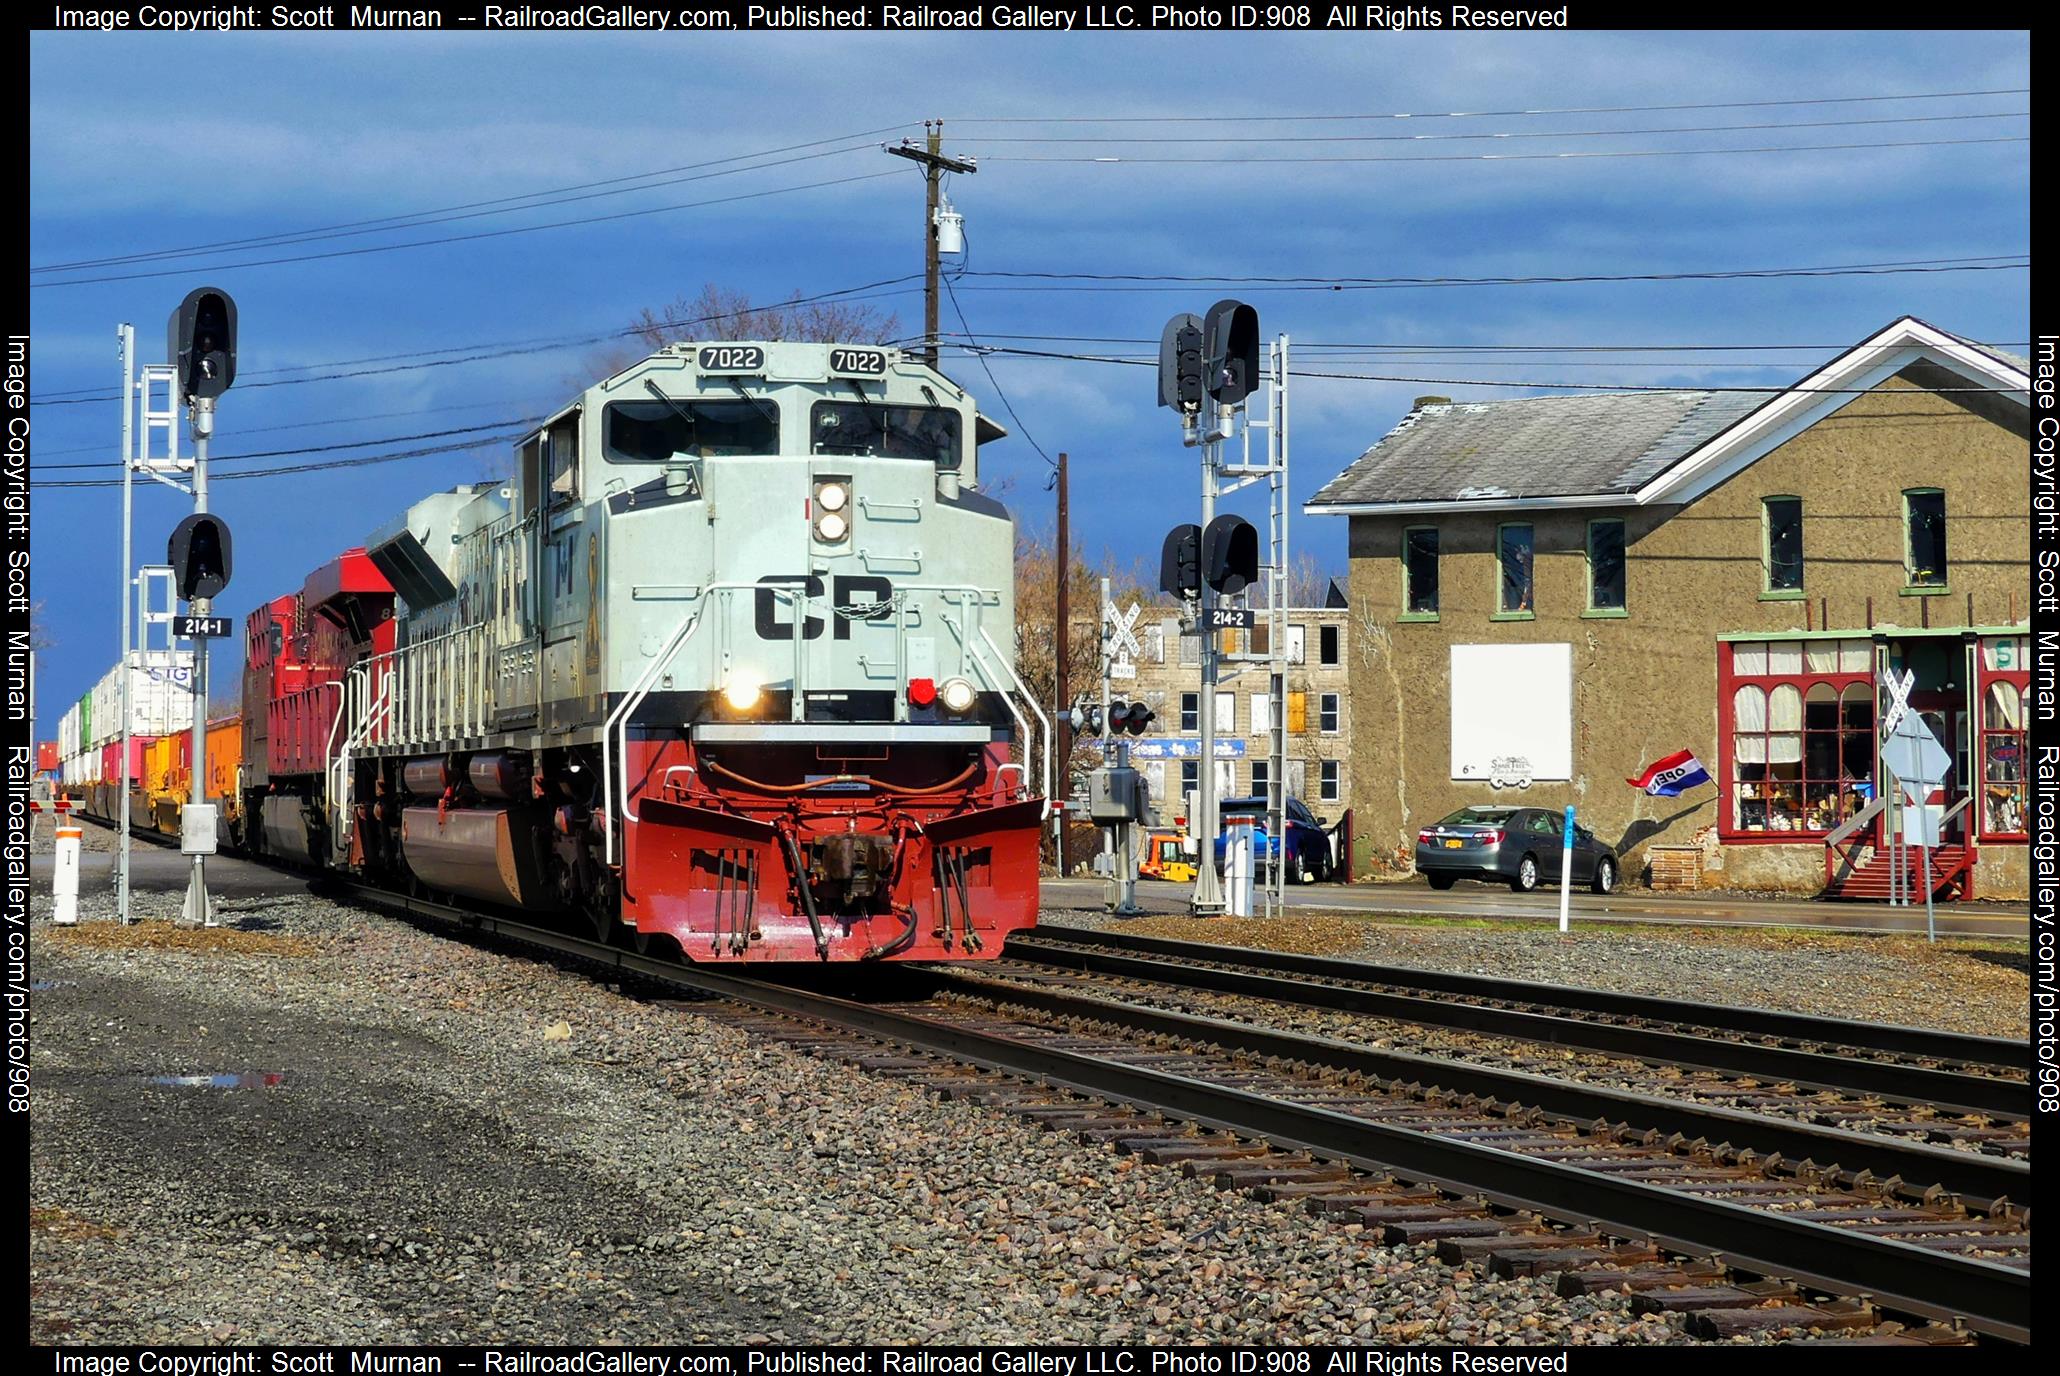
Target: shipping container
{"type": "Point", "coordinates": [46, 756]}
{"type": "Point", "coordinates": [160, 699]}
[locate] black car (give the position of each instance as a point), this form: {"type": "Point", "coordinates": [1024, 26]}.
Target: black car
{"type": "Point", "coordinates": [1517, 846]}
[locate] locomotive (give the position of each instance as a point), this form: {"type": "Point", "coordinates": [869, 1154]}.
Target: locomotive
{"type": "Point", "coordinates": [726, 670]}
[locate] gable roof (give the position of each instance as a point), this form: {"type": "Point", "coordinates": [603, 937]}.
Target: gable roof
{"type": "Point", "coordinates": [1620, 448]}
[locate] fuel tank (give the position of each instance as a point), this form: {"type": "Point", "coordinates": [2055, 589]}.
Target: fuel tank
{"type": "Point", "coordinates": [285, 828]}
{"type": "Point", "coordinates": [479, 852]}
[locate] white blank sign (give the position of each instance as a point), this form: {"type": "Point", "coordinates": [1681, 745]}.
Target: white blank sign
{"type": "Point", "coordinates": [1513, 711]}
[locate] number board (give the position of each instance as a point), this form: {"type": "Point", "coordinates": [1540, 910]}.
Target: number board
{"type": "Point", "coordinates": [730, 358]}
{"type": "Point", "coordinates": [1223, 618]}
{"type": "Point", "coordinates": [200, 627]}
{"type": "Point", "coordinates": [859, 362]}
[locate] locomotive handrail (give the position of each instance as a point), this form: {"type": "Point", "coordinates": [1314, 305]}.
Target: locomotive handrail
{"type": "Point", "coordinates": [1029, 700]}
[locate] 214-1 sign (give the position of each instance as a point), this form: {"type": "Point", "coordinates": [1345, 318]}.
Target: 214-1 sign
{"type": "Point", "coordinates": [1225, 618]}
{"type": "Point", "coordinates": [201, 627]}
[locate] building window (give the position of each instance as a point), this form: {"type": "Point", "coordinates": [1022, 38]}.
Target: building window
{"type": "Point", "coordinates": [1330, 644]}
{"type": "Point", "coordinates": [1924, 517]}
{"type": "Point", "coordinates": [1327, 714]}
{"type": "Point", "coordinates": [1605, 566]}
{"type": "Point", "coordinates": [1420, 571]}
{"type": "Point", "coordinates": [1190, 779]}
{"type": "Point", "coordinates": [1298, 713]}
{"type": "Point", "coordinates": [1799, 751]}
{"type": "Point", "coordinates": [1190, 712]}
{"type": "Point", "coordinates": [1513, 552]}
{"type": "Point", "coordinates": [1297, 643]}
{"type": "Point", "coordinates": [1784, 544]}
{"type": "Point", "coordinates": [1327, 782]}
{"type": "Point", "coordinates": [1262, 714]}
{"type": "Point", "coordinates": [1262, 774]}
{"type": "Point", "coordinates": [2005, 680]}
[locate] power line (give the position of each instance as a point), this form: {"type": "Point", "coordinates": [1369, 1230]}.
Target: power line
{"type": "Point", "coordinates": [1482, 114]}
{"type": "Point", "coordinates": [1770, 390]}
{"type": "Point", "coordinates": [1499, 134]}
{"type": "Point", "coordinates": [1479, 348]}
{"type": "Point", "coordinates": [321, 448]}
{"type": "Point", "coordinates": [1109, 281]}
{"type": "Point", "coordinates": [488, 352]}
{"type": "Point", "coordinates": [466, 238]}
{"type": "Point", "coordinates": [1529, 157]}
{"type": "Point", "coordinates": [363, 461]}
{"type": "Point", "coordinates": [42, 454]}
{"type": "Point", "coordinates": [1001, 395]}
{"type": "Point", "coordinates": [414, 219]}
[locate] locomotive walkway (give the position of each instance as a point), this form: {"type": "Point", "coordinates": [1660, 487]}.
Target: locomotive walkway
{"type": "Point", "coordinates": [1626, 906]}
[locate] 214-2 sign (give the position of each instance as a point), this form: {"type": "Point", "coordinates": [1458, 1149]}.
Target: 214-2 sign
{"type": "Point", "coordinates": [1225, 618]}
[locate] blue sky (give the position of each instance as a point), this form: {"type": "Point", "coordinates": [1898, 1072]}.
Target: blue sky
{"type": "Point", "coordinates": [130, 152]}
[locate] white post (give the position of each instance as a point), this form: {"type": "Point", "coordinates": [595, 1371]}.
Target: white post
{"type": "Point", "coordinates": [1238, 863]}
{"type": "Point", "coordinates": [130, 401]}
{"type": "Point", "coordinates": [64, 879]}
{"type": "Point", "coordinates": [1566, 868]}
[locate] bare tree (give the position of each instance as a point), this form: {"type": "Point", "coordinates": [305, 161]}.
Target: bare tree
{"type": "Point", "coordinates": [718, 313]}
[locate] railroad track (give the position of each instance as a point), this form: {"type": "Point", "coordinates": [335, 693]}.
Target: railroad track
{"type": "Point", "coordinates": [1678, 1222]}
{"type": "Point", "coordinates": [1904, 1065]}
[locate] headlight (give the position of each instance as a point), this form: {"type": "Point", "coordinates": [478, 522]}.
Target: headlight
{"type": "Point", "coordinates": [957, 695]}
{"type": "Point", "coordinates": [832, 496]}
{"type": "Point", "coordinates": [830, 528]}
{"type": "Point", "coordinates": [742, 691]}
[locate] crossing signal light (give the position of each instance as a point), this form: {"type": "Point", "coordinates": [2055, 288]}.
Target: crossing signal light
{"type": "Point", "coordinates": [1086, 719]}
{"type": "Point", "coordinates": [1180, 562]}
{"type": "Point", "coordinates": [200, 342]}
{"type": "Point", "coordinates": [1231, 343]}
{"type": "Point", "coordinates": [1230, 554]}
{"type": "Point", "coordinates": [1133, 717]}
{"type": "Point", "coordinates": [199, 555]}
{"type": "Point", "coordinates": [1181, 381]}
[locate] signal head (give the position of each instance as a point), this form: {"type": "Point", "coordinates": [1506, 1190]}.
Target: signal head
{"type": "Point", "coordinates": [1230, 554]}
{"type": "Point", "coordinates": [1180, 363]}
{"type": "Point", "coordinates": [1232, 345]}
{"type": "Point", "coordinates": [200, 342]}
{"type": "Point", "coordinates": [1180, 562]}
{"type": "Point", "coordinates": [199, 553]}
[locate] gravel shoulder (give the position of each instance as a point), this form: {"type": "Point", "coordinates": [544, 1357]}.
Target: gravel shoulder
{"type": "Point", "coordinates": [1960, 984]}
{"type": "Point", "coordinates": [418, 1140]}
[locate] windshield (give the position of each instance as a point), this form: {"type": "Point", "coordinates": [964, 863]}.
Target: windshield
{"type": "Point", "coordinates": [661, 431]}
{"type": "Point", "coordinates": [870, 429]}
{"type": "Point", "coordinates": [1479, 817]}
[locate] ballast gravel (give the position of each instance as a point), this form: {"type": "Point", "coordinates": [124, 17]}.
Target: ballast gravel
{"type": "Point", "coordinates": [1976, 985]}
{"type": "Point", "coordinates": [330, 1126]}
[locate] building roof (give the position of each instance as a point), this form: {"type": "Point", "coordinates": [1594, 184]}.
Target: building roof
{"type": "Point", "coordinates": [1635, 447]}
{"type": "Point", "coordinates": [1554, 446]}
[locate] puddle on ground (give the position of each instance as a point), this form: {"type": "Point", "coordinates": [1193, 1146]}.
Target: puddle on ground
{"type": "Point", "coordinates": [249, 1079]}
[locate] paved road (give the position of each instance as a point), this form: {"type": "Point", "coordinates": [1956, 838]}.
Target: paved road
{"type": "Point", "coordinates": [1482, 901]}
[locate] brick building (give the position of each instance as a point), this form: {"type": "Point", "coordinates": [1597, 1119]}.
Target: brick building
{"type": "Point", "coordinates": [1167, 676]}
{"type": "Point", "coordinates": [1550, 593]}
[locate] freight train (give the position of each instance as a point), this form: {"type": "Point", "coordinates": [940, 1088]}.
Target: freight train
{"type": "Point", "coordinates": [724, 670]}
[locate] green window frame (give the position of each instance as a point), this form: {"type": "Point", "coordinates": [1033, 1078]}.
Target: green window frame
{"type": "Point", "coordinates": [1419, 573]}
{"type": "Point", "coordinates": [1924, 539]}
{"type": "Point", "coordinates": [1516, 570]}
{"type": "Point", "coordinates": [1781, 545]}
{"type": "Point", "coordinates": [1612, 548]}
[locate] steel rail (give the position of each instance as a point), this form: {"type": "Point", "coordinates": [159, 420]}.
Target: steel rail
{"type": "Point", "coordinates": [1889, 1038]}
{"type": "Point", "coordinates": [1982, 1181]}
{"type": "Point", "coordinates": [1949, 1089]}
{"type": "Point", "coordinates": [1990, 1298]}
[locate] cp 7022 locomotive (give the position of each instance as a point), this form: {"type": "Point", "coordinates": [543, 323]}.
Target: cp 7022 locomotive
{"type": "Point", "coordinates": [727, 668]}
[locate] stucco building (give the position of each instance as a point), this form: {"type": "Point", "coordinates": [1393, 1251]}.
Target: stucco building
{"type": "Point", "coordinates": [1550, 593]}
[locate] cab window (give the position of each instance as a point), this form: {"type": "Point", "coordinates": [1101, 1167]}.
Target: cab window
{"type": "Point", "coordinates": [664, 431]}
{"type": "Point", "coordinates": [871, 430]}
{"type": "Point", "coordinates": [561, 458]}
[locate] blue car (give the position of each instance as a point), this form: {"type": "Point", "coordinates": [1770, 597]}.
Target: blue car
{"type": "Point", "coordinates": [1308, 845]}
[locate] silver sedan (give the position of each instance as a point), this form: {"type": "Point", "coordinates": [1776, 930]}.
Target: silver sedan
{"type": "Point", "coordinates": [1518, 846]}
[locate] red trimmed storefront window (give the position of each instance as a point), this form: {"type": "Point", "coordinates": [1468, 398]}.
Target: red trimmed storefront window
{"type": "Point", "coordinates": [2003, 683]}
{"type": "Point", "coordinates": [1797, 739]}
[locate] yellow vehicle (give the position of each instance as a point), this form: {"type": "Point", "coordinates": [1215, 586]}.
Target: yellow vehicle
{"type": "Point", "coordinates": [1164, 859]}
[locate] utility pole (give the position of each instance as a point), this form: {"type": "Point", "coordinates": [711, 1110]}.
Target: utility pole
{"type": "Point", "coordinates": [935, 163]}
{"type": "Point", "coordinates": [1061, 717]}
{"type": "Point", "coordinates": [199, 911]}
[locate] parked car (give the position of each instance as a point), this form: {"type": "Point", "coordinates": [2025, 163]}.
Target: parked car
{"type": "Point", "coordinates": [1308, 848]}
{"type": "Point", "coordinates": [1518, 846]}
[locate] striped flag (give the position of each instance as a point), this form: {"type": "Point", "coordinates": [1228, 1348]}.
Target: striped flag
{"type": "Point", "coordinates": [1672, 776]}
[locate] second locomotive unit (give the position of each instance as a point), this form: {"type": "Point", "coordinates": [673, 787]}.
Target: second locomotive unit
{"type": "Point", "coordinates": [728, 666]}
